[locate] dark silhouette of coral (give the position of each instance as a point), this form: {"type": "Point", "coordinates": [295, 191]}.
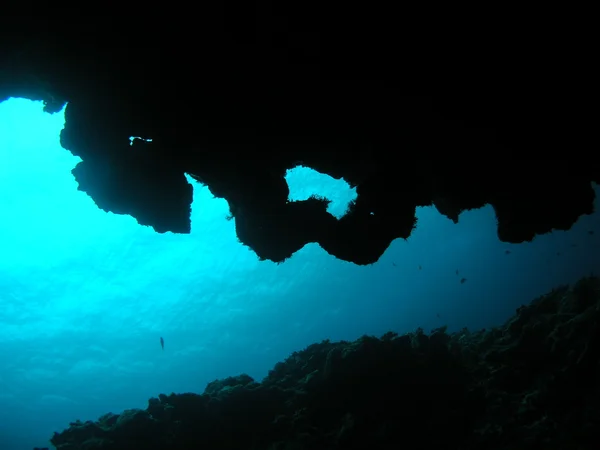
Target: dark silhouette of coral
{"type": "Point", "coordinates": [531, 383]}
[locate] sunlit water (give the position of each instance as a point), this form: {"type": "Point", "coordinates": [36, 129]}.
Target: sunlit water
{"type": "Point", "coordinates": [85, 295]}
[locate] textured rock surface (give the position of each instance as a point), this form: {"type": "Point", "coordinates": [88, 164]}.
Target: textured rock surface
{"type": "Point", "coordinates": [531, 383]}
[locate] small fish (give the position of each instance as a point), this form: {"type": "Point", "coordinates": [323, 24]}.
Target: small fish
{"type": "Point", "coordinates": [462, 280]}
{"type": "Point", "coordinates": [591, 232]}
{"type": "Point", "coordinates": [557, 253]}
{"type": "Point", "coordinates": [456, 271]}
{"type": "Point", "coordinates": [162, 343]}
{"type": "Point", "coordinates": [420, 267]}
{"type": "Point", "coordinates": [507, 252]}
{"type": "Point", "coordinates": [573, 245]}
{"type": "Point", "coordinates": [394, 264]}
{"type": "Point", "coordinates": [438, 315]}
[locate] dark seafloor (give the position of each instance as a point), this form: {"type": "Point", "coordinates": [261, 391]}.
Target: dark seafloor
{"type": "Point", "coordinates": [532, 383]}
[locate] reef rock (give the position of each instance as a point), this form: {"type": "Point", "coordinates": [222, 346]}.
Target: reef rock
{"type": "Point", "coordinates": [235, 97]}
{"type": "Point", "coordinates": [533, 383]}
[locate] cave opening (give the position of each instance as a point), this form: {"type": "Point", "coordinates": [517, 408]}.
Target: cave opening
{"type": "Point", "coordinates": [305, 182]}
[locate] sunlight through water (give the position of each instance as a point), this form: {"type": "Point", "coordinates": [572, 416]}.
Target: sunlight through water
{"type": "Point", "coordinates": [85, 295]}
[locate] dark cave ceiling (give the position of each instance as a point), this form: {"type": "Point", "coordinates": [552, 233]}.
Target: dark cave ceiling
{"type": "Point", "coordinates": [236, 101]}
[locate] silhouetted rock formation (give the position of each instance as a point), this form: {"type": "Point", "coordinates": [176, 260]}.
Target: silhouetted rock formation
{"type": "Point", "coordinates": [532, 383]}
{"type": "Point", "coordinates": [234, 98]}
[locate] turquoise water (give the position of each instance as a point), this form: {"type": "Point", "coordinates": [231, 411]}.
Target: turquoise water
{"type": "Point", "coordinates": [86, 295]}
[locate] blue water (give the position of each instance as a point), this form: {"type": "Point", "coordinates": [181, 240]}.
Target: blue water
{"type": "Point", "coordinates": [86, 295]}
